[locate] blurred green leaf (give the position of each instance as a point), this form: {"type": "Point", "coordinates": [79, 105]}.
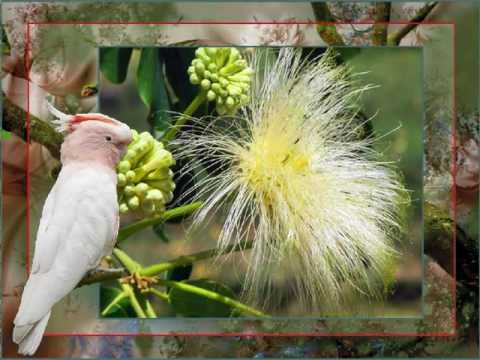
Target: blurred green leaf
{"type": "Point", "coordinates": [114, 63]}
{"type": "Point", "coordinates": [159, 230]}
{"type": "Point", "coordinates": [5, 135]}
{"type": "Point", "coordinates": [152, 88]}
{"type": "Point", "coordinates": [177, 61]}
{"type": "Point", "coordinates": [5, 44]}
{"type": "Point", "coordinates": [121, 309]}
{"type": "Point", "coordinates": [193, 305]}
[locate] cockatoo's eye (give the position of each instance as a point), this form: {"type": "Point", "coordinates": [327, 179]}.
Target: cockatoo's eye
{"type": "Point", "coordinates": [108, 138]}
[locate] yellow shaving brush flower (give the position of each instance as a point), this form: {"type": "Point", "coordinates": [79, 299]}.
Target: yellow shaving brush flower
{"type": "Point", "coordinates": [315, 201]}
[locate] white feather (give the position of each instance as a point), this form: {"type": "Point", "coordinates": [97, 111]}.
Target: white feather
{"type": "Point", "coordinates": [63, 120]}
{"type": "Point", "coordinates": [78, 227]}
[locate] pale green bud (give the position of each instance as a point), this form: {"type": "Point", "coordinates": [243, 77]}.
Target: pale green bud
{"type": "Point", "coordinates": [141, 189]}
{"type": "Point", "coordinates": [129, 190]}
{"type": "Point", "coordinates": [194, 79]}
{"type": "Point", "coordinates": [155, 195]}
{"type": "Point", "coordinates": [121, 180]}
{"type": "Point", "coordinates": [135, 136]}
{"type": "Point", "coordinates": [230, 102]}
{"type": "Point", "coordinates": [133, 202]}
{"type": "Point", "coordinates": [221, 73]}
{"type": "Point", "coordinates": [211, 95]}
{"type": "Point", "coordinates": [160, 174]}
{"type": "Point", "coordinates": [130, 175]}
{"type": "Point", "coordinates": [146, 162]}
{"type": "Point", "coordinates": [211, 51]}
{"type": "Point", "coordinates": [199, 68]}
{"type": "Point", "coordinates": [124, 166]}
{"type": "Point", "coordinates": [216, 87]}
{"type": "Point", "coordinates": [123, 208]}
{"type": "Point", "coordinates": [234, 90]}
{"type": "Point", "coordinates": [164, 185]}
{"type": "Point", "coordinates": [205, 84]}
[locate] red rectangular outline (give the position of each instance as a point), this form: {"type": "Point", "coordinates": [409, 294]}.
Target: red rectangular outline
{"type": "Point", "coordinates": [267, 22]}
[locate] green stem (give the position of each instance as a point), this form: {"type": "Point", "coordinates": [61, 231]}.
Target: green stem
{"type": "Point", "coordinates": [183, 210]}
{"type": "Point", "coordinates": [159, 294]}
{"type": "Point", "coordinates": [245, 309]}
{"type": "Point", "coordinates": [170, 134]}
{"type": "Point", "coordinates": [131, 265]}
{"type": "Point", "coordinates": [188, 259]}
{"type": "Point", "coordinates": [134, 301]}
{"type": "Point", "coordinates": [114, 302]}
{"type": "Point", "coordinates": [149, 310]}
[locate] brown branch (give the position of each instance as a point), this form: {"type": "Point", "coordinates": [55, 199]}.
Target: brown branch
{"type": "Point", "coordinates": [395, 38]}
{"type": "Point", "coordinates": [14, 120]}
{"type": "Point", "coordinates": [102, 275]}
{"type": "Point", "coordinates": [382, 17]}
{"type": "Point", "coordinates": [328, 33]}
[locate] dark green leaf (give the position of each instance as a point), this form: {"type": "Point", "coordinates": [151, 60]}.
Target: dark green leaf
{"type": "Point", "coordinates": [122, 309]}
{"type": "Point", "coordinates": [177, 60]}
{"type": "Point", "coordinates": [159, 230]}
{"type": "Point", "coordinates": [114, 63]}
{"type": "Point", "coordinates": [5, 44]}
{"type": "Point", "coordinates": [193, 305]}
{"type": "Point", "coordinates": [184, 186]}
{"type": "Point", "coordinates": [152, 89]}
{"type": "Point", "coordinates": [179, 273]}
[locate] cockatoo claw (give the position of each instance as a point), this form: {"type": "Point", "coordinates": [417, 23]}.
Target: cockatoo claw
{"type": "Point", "coordinates": [141, 282]}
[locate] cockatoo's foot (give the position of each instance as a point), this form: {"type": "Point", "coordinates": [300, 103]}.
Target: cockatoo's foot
{"type": "Point", "coordinates": [142, 282]}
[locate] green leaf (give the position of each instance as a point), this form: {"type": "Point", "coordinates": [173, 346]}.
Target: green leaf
{"type": "Point", "coordinates": [152, 88]}
{"type": "Point", "coordinates": [159, 230]}
{"type": "Point", "coordinates": [121, 309]}
{"type": "Point", "coordinates": [114, 63]}
{"type": "Point", "coordinates": [177, 60]}
{"type": "Point", "coordinates": [179, 273]}
{"type": "Point", "coordinates": [5, 135]}
{"type": "Point", "coordinates": [193, 305]}
{"type": "Point", "coordinates": [6, 49]}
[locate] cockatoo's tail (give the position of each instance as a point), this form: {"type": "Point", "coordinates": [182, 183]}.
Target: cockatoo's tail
{"type": "Point", "coordinates": [145, 181]}
{"type": "Point", "coordinates": [79, 222]}
{"type": "Point", "coordinates": [311, 196]}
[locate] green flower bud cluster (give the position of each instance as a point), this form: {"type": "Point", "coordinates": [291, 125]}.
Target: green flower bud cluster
{"type": "Point", "coordinates": [223, 75]}
{"type": "Point", "coordinates": [144, 178]}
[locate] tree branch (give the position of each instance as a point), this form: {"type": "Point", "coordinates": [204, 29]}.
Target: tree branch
{"type": "Point", "coordinates": [382, 16]}
{"type": "Point", "coordinates": [14, 120]}
{"type": "Point", "coordinates": [102, 275]}
{"type": "Point", "coordinates": [328, 33]}
{"type": "Point", "coordinates": [395, 38]}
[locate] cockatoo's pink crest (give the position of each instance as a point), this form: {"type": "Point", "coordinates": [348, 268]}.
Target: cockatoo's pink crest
{"type": "Point", "coordinates": [91, 137]}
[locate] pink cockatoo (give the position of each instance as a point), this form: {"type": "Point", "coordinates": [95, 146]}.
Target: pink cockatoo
{"type": "Point", "coordinates": [79, 222]}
